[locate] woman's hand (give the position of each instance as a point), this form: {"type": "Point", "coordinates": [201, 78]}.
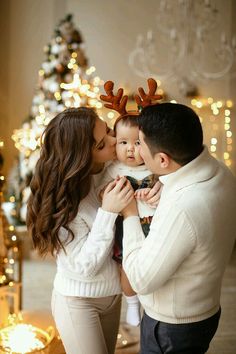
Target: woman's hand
{"type": "Point", "coordinates": [130, 210]}
{"type": "Point", "coordinates": [117, 195]}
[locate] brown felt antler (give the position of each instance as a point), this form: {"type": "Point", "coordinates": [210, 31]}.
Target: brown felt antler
{"type": "Point", "coordinates": [145, 99]}
{"type": "Point", "coordinates": [117, 103]}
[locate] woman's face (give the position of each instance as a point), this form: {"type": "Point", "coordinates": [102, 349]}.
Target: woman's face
{"type": "Point", "coordinates": [105, 145]}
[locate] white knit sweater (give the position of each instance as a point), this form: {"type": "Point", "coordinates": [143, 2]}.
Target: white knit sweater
{"type": "Point", "coordinates": [87, 269]}
{"type": "Point", "coordinates": [178, 268]}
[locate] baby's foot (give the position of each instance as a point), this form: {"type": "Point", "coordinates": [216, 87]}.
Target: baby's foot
{"type": "Point", "coordinates": [133, 316]}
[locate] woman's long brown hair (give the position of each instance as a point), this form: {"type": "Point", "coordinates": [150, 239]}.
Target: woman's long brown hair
{"type": "Point", "coordinates": [62, 177]}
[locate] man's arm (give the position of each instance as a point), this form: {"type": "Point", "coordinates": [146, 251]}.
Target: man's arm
{"type": "Point", "coordinates": [150, 262]}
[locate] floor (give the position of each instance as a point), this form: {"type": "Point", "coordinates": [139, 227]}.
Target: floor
{"type": "Point", "coordinates": [37, 284]}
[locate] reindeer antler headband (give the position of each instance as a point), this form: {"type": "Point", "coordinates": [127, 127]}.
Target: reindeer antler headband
{"type": "Point", "coordinates": [118, 102]}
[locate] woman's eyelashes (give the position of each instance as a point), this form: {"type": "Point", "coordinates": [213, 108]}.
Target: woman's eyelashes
{"type": "Point", "coordinates": [110, 132]}
{"type": "Point", "coordinates": [101, 146]}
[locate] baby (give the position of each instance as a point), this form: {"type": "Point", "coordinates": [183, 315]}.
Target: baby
{"type": "Point", "coordinates": [129, 163]}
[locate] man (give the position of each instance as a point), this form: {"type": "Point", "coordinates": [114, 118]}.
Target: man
{"type": "Point", "coordinates": [178, 269]}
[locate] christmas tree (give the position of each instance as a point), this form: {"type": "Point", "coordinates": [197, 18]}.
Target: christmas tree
{"type": "Point", "coordinates": [2, 219]}
{"type": "Point", "coordinates": [10, 260]}
{"type": "Point", "coordinates": [64, 80]}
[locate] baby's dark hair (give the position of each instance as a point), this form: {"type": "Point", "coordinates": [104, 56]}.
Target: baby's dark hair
{"type": "Point", "coordinates": [129, 119]}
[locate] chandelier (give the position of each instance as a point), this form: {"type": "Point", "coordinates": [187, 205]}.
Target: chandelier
{"type": "Point", "coordinates": [189, 43]}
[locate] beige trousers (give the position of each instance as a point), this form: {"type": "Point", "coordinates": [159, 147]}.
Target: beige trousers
{"type": "Point", "coordinates": [87, 325]}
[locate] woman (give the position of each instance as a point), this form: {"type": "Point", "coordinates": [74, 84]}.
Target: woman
{"type": "Point", "coordinates": [64, 218]}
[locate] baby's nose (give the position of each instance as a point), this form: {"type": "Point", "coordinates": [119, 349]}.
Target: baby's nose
{"type": "Point", "coordinates": [131, 148]}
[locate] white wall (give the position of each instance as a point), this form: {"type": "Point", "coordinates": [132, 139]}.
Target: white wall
{"type": "Point", "coordinates": [110, 30]}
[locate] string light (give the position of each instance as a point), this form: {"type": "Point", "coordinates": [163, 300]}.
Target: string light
{"type": "Point", "coordinates": [125, 339]}
{"type": "Point", "coordinates": [76, 93]}
{"type": "Point", "coordinates": [9, 245]}
{"type": "Point", "coordinates": [220, 136]}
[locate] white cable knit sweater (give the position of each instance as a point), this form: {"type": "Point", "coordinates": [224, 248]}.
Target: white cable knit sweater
{"type": "Point", "coordinates": [178, 268]}
{"type": "Point", "coordinates": [87, 269]}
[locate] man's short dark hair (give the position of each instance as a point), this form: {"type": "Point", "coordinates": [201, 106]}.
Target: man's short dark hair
{"type": "Point", "coordinates": [174, 129]}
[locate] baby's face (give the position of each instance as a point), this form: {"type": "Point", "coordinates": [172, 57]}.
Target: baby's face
{"type": "Point", "coordinates": [127, 145]}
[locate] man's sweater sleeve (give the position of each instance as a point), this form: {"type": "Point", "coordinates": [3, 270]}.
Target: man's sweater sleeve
{"type": "Point", "coordinates": [149, 262]}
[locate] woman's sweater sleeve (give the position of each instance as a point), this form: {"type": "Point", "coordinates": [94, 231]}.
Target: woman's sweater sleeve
{"type": "Point", "coordinates": [86, 254]}
{"type": "Point", "coordinates": [106, 179]}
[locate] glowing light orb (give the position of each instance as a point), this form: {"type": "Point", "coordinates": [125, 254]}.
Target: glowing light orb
{"type": "Point", "coordinates": [24, 338]}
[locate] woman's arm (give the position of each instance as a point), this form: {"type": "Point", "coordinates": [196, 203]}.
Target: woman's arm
{"type": "Point", "coordinates": [86, 254]}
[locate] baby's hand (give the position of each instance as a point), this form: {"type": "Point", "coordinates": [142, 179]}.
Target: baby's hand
{"type": "Point", "coordinates": [142, 193]}
{"type": "Point", "coordinates": [151, 196]}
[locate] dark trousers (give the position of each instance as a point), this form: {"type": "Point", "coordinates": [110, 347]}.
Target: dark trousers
{"type": "Point", "coordinates": [166, 338]}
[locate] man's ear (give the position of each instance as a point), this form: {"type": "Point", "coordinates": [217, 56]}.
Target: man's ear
{"type": "Point", "coordinates": [164, 160]}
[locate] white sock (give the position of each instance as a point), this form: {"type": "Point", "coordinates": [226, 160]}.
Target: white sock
{"type": "Point", "coordinates": [133, 316]}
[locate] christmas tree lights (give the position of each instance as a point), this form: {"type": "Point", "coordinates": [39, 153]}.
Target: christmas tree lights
{"type": "Point", "coordinates": [10, 261]}
{"type": "Point", "coordinates": [64, 80]}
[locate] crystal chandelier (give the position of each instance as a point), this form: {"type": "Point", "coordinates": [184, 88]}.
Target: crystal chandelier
{"type": "Point", "coordinates": [188, 44]}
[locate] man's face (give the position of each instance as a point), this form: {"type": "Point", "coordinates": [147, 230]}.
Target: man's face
{"type": "Point", "coordinates": [150, 161]}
